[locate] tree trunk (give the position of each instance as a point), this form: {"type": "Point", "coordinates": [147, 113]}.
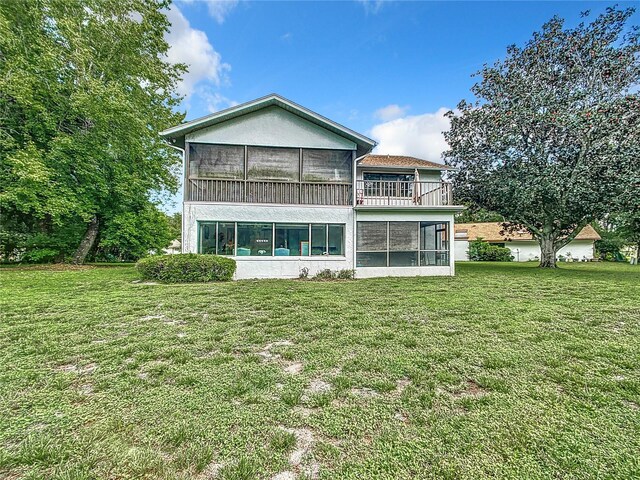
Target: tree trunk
{"type": "Point", "coordinates": [547, 252]}
{"type": "Point", "coordinates": [87, 242]}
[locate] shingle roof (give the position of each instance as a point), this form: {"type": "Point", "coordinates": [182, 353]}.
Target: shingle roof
{"type": "Point", "coordinates": [404, 161]}
{"type": "Point", "coordinates": [491, 233]}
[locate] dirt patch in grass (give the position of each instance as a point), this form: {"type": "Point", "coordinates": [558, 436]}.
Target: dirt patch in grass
{"type": "Point", "coordinates": [471, 389]}
{"type": "Point", "coordinates": [79, 369]}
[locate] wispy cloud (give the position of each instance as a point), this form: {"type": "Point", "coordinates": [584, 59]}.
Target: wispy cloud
{"type": "Point", "coordinates": [287, 37]}
{"type": "Point", "coordinates": [391, 112]}
{"type": "Point", "coordinates": [219, 9]}
{"type": "Point", "coordinates": [192, 47]}
{"type": "Point", "coordinates": [372, 6]}
{"type": "Point", "coordinates": [416, 135]}
{"type": "Point", "coordinates": [215, 101]}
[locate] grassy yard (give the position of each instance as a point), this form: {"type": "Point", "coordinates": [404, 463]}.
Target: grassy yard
{"type": "Point", "coordinates": [504, 371]}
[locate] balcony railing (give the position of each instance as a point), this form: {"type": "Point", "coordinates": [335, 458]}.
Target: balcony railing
{"type": "Point", "coordinates": [396, 193]}
{"type": "Point", "coordinates": [258, 191]}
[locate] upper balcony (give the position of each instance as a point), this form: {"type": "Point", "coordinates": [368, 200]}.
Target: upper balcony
{"type": "Point", "coordinates": [380, 193]}
{"type": "Point", "coordinates": [264, 191]}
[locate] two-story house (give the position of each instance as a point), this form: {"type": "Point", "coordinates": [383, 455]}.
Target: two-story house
{"type": "Point", "coordinates": [280, 188]}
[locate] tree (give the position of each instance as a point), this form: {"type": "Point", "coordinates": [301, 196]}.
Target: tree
{"type": "Point", "coordinates": [552, 138]}
{"type": "Point", "coordinates": [85, 87]}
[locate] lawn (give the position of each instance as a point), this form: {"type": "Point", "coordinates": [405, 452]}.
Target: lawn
{"type": "Point", "coordinates": [504, 371]}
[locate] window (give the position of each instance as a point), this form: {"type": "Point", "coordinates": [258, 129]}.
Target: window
{"type": "Point", "coordinates": [434, 243]}
{"type": "Point", "coordinates": [216, 161]}
{"type": "Point", "coordinates": [402, 244]}
{"type": "Point", "coordinates": [255, 239]}
{"type": "Point", "coordinates": [269, 239]}
{"type": "Point", "coordinates": [371, 244]}
{"type": "Point", "coordinates": [208, 238]}
{"type": "Point", "coordinates": [388, 184]}
{"type": "Point", "coordinates": [327, 166]}
{"type": "Point", "coordinates": [276, 164]}
{"type": "Point", "coordinates": [292, 240]}
{"type": "Point", "coordinates": [226, 238]}
{"type": "Point", "coordinates": [336, 240]}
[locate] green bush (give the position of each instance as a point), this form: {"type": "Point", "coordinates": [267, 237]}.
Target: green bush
{"type": "Point", "coordinates": [185, 268]}
{"type": "Point", "coordinates": [482, 251]}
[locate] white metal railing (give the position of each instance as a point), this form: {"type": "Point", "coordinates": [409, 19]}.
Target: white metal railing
{"type": "Point", "coordinates": [402, 193]}
{"type": "Point", "coordinates": [259, 191]}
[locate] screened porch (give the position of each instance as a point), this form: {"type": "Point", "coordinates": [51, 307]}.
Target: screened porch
{"type": "Point", "coordinates": [276, 175]}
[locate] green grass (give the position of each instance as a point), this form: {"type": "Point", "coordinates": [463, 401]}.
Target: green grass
{"type": "Point", "coordinates": [505, 371]}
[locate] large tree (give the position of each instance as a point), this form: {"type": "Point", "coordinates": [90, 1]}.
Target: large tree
{"type": "Point", "coordinates": [85, 86]}
{"type": "Point", "coordinates": [552, 138]}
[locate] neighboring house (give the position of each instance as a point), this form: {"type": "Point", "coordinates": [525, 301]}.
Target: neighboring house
{"type": "Point", "coordinates": [173, 248]}
{"type": "Point", "coordinates": [522, 245]}
{"type": "Point", "coordinates": [281, 189]}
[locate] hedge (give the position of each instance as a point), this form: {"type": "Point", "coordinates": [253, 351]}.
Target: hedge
{"type": "Point", "coordinates": [186, 268]}
{"type": "Point", "coordinates": [479, 250]}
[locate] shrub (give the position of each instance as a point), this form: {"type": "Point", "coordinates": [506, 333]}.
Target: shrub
{"type": "Point", "coordinates": [326, 274]}
{"type": "Point", "coordinates": [346, 274]}
{"type": "Point", "coordinates": [482, 251]}
{"type": "Point", "coordinates": [185, 268]}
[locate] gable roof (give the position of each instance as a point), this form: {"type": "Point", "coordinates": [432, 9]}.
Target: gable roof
{"type": "Point", "coordinates": [402, 161]}
{"type": "Point", "coordinates": [177, 133]}
{"type": "Point", "coordinates": [490, 232]}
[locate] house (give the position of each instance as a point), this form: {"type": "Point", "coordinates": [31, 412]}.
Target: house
{"type": "Point", "coordinates": [280, 189]}
{"type": "Point", "coordinates": [522, 245]}
{"type": "Point", "coordinates": [173, 248]}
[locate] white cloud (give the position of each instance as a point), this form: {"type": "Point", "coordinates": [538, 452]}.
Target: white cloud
{"type": "Point", "coordinates": [371, 6]}
{"type": "Point", "coordinates": [391, 112]}
{"type": "Point", "coordinates": [415, 135]}
{"type": "Point", "coordinates": [287, 37]}
{"type": "Point", "coordinates": [214, 101]}
{"type": "Point", "coordinates": [219, 9]}
{"type": "Point", "coordinates": [192, 47]}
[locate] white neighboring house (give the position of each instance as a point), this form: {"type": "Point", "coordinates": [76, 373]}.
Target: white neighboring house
{"type": "Point", "coordinates": [280, 189]}
{"type": "Point", "coordinates": [523, 247]}
{"type": "Point", "coordinates": [173, 248]}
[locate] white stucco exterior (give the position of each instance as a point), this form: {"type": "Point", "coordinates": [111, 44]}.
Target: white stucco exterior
{"type": "Point", "coordinates": [272, 127]}
{"type": "Point", "coordinates": [273, 267]}
{"type": "Point", "coordinates": [290, 267]}
{"type": "Point", "coordinates": [406, 216]}
{"type": "Point", "coordinates": [528, 250]}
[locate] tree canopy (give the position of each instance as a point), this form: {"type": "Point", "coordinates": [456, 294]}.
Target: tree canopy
{"type": "Point", "coordinates": [552, 139]}
{"type": "Point", "coordinates": [85, 86]}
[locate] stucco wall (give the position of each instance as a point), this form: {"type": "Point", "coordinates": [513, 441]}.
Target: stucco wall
{"type": "Point", "coordinates": [274, 127]}
{"type": "Point", "coordinates": [272, 267]}
{"type": "Point", "coordinates": [524, 251]}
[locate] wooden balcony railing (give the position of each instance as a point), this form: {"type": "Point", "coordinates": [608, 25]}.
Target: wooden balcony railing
{"type": "Point", "coordinates": [385, 193]}
{"type": "Point", "coordinates": [257, 191]}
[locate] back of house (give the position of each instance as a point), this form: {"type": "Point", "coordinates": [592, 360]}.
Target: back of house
{"type": "Point", "coordinates": [282, 189]}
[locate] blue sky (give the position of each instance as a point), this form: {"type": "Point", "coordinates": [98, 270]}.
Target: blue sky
{"type": "Point", "coordinates": [383, 68]}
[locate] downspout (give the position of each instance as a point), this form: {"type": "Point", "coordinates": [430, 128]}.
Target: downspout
{"type": "Point", "coordinates": [184, 181]}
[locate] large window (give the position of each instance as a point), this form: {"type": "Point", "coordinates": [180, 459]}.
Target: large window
{"type": "Point", "coordinates": [388, 184]}
{"type": "Point", "coordinates": [216, 161]}
{"type": "Point", "coordinates": [271, 239]}
{"type": "Point", "coordinates": [327, 166]}
{"type": "Point", "coordinates": [402, 244]}
{"type": "Point", "coordinates": [255, 239]}
{"type": "Point", "coordinates": [292, 240]}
